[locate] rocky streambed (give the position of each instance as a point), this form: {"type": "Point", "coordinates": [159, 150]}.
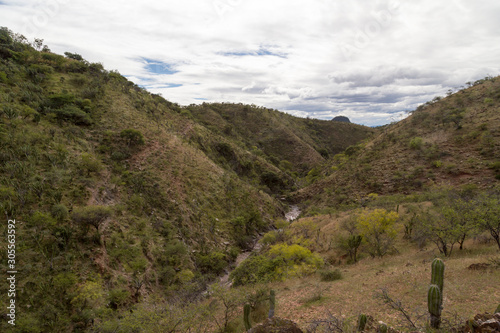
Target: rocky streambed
{"type": "Point", "coordinates": [290, 216]}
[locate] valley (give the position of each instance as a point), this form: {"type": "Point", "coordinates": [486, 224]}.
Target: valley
{"type": "Point", "coordinates": [137, 214]}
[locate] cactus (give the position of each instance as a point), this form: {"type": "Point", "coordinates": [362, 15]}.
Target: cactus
{"type": "Point", "coordinates": [437, 275]}
{"type": "Point", "coordinates": [498, 309]}
{"type": "Point", "coordinates": [434, 304]}
{"type": "Point", "coordinates": [246, 316]}
{"type": "Point", "coordinates": [272, 303]}
{"type": "Point", "coordinates": [435, 295]}
{"type": "Point", "coordinates": [362, 322]}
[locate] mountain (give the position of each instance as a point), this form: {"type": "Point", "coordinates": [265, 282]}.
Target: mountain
{"type": "Point", "coordinates": [342, 119]}
{"type": "Point", "coordinates": [451, 141]}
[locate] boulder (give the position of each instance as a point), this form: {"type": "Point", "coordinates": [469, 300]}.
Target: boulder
{"type": "Point", "coordinates": [483, 323]}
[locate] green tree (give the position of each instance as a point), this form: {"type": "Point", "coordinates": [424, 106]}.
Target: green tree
{"type": "Point", "coordinates": [91, 215]}
{"type": "Point", "coordinates": [379, 231]}
{"type": "Point", "coordinates": [352, 241]}
{"type": "Point", "coordinates": [488, 211]}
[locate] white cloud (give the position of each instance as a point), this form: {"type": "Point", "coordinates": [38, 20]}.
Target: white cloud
{"type": "Point", "coordinates": [320, 58]}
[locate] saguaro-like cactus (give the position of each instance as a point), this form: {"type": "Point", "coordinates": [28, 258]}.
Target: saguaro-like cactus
{"type": "Point", "coordinates": [437, 275]}
{"type": "Point", "coordinates": [434, 304]}
{"type": "Point", "coordinates": [435, 295]}
{"type": "Point", "coordinates": [362, 322]}
{"type": "Point", "coordinates": [272, 303]}
{"type": "Point", "coordinates": [246, 316]}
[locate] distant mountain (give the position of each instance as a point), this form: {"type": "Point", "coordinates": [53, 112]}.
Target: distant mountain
{"type": "Point", "coordinates": [341, 119]}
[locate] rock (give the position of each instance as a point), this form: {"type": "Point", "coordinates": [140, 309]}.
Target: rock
{"type": "Point", "coordinates": [276, 325]}
{"type": "Point", "coordinates": [483, 323]}
{"type": "Point", "coordinates": [478, 267]}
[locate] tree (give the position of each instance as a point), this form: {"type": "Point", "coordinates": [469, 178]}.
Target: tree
{"type": "Point", "coordinates": [91, 215]}
{"type": "Point", "coordinates": [445, 232]}
{"type": "Point", "coordinates": [378, 228]}
{"type": "Point", "coordinates": [74, 56]}
{"type": "Point", "coordinates": [488, 209]}
{"type": "Point", "coordinates": [352, 241]}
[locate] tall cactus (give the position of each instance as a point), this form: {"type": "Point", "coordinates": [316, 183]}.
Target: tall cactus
{"type": "Point", "coordinates": [435, 294]}
{"type": "Point", "coordinates": [246, 316]}
{"type": "Point", "coordinates": [434, 304]}
{"type": "Point", "coordinates": [437, 275]}
{"type": "Point", "coordinates": [272, 303]}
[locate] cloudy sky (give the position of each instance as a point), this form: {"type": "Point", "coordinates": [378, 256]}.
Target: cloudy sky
{"type": "Point", "coordinates": [369, 60]}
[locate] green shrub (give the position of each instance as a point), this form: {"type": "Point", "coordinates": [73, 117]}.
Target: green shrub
{"type": "Point", "coordinates": [117, 297]}
{"type": "Point", "coordinates": [132, 137]}
{"type": "Point", "coordinates": [72, 114]}
{"type": "Point", "coordinates": [59, 212]}
{"type": "Point", "coordinates": [280, 262]}
{"type": "Point", "coordinates": [330, 275]}
{"type": "Point", "coordinates": [3, 77]}
{"type": "Point", "coordinates": [212, 263]}
{"type": "Point", "coordinates": [416, 143]}
{"type": "Point", "coordinates": [89, 164]}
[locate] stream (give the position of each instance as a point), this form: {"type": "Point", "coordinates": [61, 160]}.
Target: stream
{"type": "Point", "coordinates": [290, 216]}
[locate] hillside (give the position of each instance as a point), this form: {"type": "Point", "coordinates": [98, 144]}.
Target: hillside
{"type": "Point", "coordinates": [297, 143]}
{"type": "Point", "coordinates": [120, 194]}
{"type": "Point", "coordinates": [449, 141]}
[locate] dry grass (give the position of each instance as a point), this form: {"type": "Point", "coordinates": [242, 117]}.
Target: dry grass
{"type": "Point", "coordinates": [406, 277]}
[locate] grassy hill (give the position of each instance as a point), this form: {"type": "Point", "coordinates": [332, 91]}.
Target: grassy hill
{"type": "Point", "coordinates": [449, 141]}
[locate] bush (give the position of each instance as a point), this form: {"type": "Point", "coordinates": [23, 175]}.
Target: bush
{"type": "Point", "coordinates": [132, 137]}
{"type": "Point", "coordinates": [59, 212]}
{"type": "Point", "coordinates": [379, 231]}
{"type": "Point", "coordinates": [281, 261]}
{"type": "Point", "coordinates": [330, 275]}
{"type": "Point", "coordinates": [416, 143]}
{"type": "Point", "coordinates": [73, 114]}
{"type": "Point", "coordinates": [214, 262]}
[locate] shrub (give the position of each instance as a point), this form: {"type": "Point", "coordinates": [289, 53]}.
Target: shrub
{"type": "Point", "coordinates": [73, 114]}
{"type": "Point", "coordinates": [416, 143]}
{"type": "Point", "coordinates": [330, 275]}
{"type": "Point", "coordinates": [214, 262]}
{"type": "Point", "coordinates": [59, 212]}
{"type": "Point", "coordinates": [89, 164]}
{"type": "Point", "coordinates": [378, 228]}
{"type": "Point", "coordinates": [132, 137]}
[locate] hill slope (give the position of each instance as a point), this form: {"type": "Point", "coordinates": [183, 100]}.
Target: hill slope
{"type": "Point", "coordinates": [448, 141]}
{"type": "Point", "coordinates": [304, 143]}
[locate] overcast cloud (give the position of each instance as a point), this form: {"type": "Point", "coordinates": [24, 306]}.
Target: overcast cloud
{"type": "Point", "coordinates": [368, 60]}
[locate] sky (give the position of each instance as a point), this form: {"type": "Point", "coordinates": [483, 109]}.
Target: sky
{"type": "Point", "coordinates": [372, 61]}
